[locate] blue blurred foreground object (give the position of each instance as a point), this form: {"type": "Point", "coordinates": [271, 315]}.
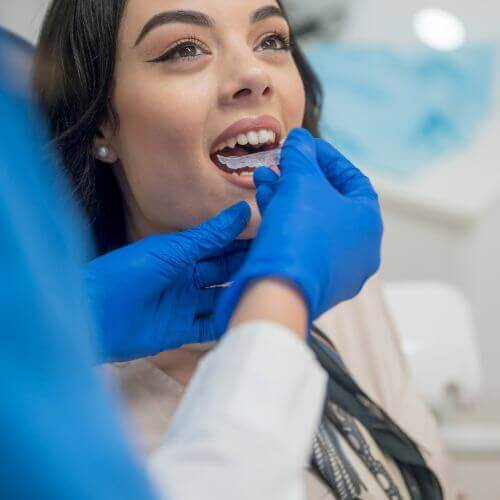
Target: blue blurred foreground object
{"type": "Point", "coordinates": [397, 111]}
{"type": "Point", "coordinates": [59, 433]}
{"type": "Point", "coordinates": [167, 286]}
{"type": "Point", "coordinates": [328, 244]}
{"type": "Point", "coordinates": [16, 55]}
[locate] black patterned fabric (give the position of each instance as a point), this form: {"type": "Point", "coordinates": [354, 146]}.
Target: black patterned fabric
{"type": "Point", "coordinates": [346, 405]}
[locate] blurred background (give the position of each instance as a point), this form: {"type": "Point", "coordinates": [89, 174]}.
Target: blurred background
{"type": "Point", "coordinates": [412, 95]}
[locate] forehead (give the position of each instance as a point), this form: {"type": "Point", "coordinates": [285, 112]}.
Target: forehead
{"type": "Point", "coordinates": [223, 12]}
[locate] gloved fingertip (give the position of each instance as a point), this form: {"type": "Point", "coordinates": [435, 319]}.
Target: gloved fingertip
{"type": "Point", "coordinates": [299, 134]}
{"type": "Point", "coordinates": [301, 140]}
{"type": "Point", "coordinates": [240, 212]}
{"type": "Point", "coordinates": [263, 197]}
{"type": "Point", "coordinates": [264, 175]}
{"type": "Point", "coordinates": [215, 234]}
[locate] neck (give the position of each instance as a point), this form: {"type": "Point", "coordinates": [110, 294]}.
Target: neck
{"type": "Point", "coordinates": [181, 363]}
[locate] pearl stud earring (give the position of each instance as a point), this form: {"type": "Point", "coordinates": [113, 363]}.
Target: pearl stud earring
{"type": "Point", "coordinates": [103, 152]}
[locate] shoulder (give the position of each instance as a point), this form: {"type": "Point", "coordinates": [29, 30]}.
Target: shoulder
{"type": "Point", "coordinates": [365, 337]}
{"type": "Point", "coordinates": [370, 347]}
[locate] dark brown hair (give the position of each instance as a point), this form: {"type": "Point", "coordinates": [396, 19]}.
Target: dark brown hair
{"type": "Point", "coordinates": [74, 78]}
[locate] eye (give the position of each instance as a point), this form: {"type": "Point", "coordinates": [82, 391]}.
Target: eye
{"type": "Point", "coordinates": [276, 41]}
{"type": "Point", "coordinates": [186, 50]}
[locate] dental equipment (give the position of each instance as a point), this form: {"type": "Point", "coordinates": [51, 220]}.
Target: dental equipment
{"type": "Point", "coordinates": [254, 160]}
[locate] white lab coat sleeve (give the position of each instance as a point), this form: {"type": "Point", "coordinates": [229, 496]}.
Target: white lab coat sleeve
{"type": "Point", "coordinates": [245, 427]}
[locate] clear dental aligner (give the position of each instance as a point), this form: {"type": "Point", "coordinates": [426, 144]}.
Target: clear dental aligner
{"type": "Point", "coordinates": [254, 160]}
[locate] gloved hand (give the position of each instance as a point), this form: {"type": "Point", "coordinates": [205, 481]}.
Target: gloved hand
{"type": "Point", "coordinates": [321, 227]}
{"type": "Point", "coordinates": [157, 294]}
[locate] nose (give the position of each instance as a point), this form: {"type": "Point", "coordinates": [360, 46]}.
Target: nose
{"type": "Point", "coordinates": [247, 83]}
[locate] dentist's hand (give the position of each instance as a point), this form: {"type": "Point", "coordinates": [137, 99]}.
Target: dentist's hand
{"type": "Point", "coordinates": [321, 227]}
{"type": "Point", "coordinates": [157, 294]}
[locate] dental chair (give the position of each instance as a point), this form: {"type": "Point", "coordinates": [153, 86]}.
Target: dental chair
{"type": "Point", "coordinates": [17, 55]}
{"type": "Point", "coordinates": [438, 336]}
{"type": "Point", "coordinates": [439, 339]}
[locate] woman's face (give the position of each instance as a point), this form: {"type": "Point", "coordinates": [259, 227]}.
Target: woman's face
{"type": "Point", "coordinates": [191, 77]}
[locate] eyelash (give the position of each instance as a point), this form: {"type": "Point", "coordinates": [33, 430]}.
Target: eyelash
{"type": "Point", "coordinates": [283, 37]}
{"type": "Point", "coordinates": [169, 55]}
{"type": "Point", "coordinates": [188, 42]}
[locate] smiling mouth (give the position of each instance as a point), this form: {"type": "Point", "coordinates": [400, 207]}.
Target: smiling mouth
{"type": "Point", "coordinates": [241, 155]}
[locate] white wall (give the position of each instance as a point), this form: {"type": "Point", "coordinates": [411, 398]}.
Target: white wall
{"type": "Point", "coordinates": [371, 20]}
{"type": "Point", "coordinates": [390, 21]}
{"type": "Point", "coordinates": [23, 16]}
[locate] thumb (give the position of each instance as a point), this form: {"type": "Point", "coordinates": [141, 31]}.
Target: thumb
{"type": "Point", "coordinates": [264, 175]}
{"type": "Point", "coordinates": [266, 182]}
{"type": "Point", "coordinates": [213, 235]}
{"type": "Point", "coordinates": [298, 155]}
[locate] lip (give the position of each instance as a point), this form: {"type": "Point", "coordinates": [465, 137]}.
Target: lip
{"type": "Point", "coordinates": [245, 182]}
{"type": "Point", "coordinates": [246, 125]}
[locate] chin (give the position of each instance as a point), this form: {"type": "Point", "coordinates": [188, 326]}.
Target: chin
{"type": "Point", "coordinates": [253, 226]}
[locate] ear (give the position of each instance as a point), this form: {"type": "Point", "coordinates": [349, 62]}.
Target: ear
{"type": "Point", "coordinates": [103, 149]}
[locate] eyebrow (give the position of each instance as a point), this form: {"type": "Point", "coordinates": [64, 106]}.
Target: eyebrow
{"type": "Point", "coordinates": [265, 13]}
{"type": "Point", "coordinates": [176, 16]}
{"type": "Point", "coordinates": [200, 19]}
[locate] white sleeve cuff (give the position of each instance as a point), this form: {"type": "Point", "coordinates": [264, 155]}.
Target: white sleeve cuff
{"type": "Point", "coordinates": [245, 426]}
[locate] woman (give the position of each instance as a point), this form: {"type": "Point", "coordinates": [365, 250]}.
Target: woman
{"type": "Point", "coordinates": [143, 97]}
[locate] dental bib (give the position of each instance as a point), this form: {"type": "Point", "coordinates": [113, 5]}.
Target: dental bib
{"type": "Point", "coordinates": [254, 160]}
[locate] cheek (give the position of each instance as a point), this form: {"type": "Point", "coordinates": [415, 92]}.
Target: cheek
{"type": "Point", "coordinates": [160, 118]}
{"type": "Point", "coordinates": [293, 97]}
{"type": "Point", "coordinates": [159, 145]}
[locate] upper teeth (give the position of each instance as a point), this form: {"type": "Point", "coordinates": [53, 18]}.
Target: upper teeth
{"type": "Point", "coordinates": [254, 137]}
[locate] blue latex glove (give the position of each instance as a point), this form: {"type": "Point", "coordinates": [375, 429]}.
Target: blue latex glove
{"type": "Point", "coordinates": [59, 425]}
{"type": "Point", "coordinates": [321, 227]}
{"type": "Point", "coordinates": [158, 294]}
